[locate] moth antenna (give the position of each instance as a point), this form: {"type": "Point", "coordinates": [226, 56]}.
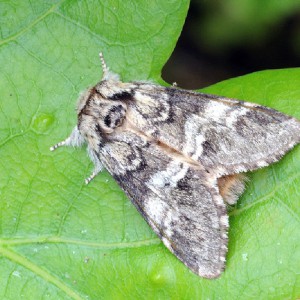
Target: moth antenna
{"type": "Point", "coordinates": [75, 139]}
{"type": "Point", "coordinates": [105, 69]}
{"type": "Point", "coordinates": [107, 75]}
{"type": "Point", "coordinates": [60, 144]}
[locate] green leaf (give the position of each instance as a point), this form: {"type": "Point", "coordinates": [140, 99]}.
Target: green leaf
{"type": "Point", "coordinates": [60, 239]}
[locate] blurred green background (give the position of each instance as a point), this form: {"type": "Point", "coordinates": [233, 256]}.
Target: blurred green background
{"type": "Point", "coordinates": [225, 39]}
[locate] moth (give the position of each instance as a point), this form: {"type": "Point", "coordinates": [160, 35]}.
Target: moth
{"type": "Point", "coordinates": [180, 157]}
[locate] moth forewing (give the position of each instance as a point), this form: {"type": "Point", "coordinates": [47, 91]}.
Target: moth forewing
{"type": "Point", "coordinates": [180, 156]}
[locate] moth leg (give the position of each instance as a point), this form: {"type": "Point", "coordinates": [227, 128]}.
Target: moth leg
{"type": "Point", "coordinates": [75, 139]}
{"type": "Point", "coordinates": [231, 187]}
{"type": "Point", "coordinates": [98, 167]}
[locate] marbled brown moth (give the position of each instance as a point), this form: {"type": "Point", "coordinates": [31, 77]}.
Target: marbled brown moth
{"type": "Point", "coordinates": [180, 157]}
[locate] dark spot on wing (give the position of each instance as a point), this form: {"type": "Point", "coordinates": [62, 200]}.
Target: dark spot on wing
{"type": "Point", "coordinates": [124, 95]}
{"type": "Point", "coordinates": [107, 120]}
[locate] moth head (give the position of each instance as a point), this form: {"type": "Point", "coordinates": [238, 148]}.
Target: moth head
{"type": "Point", "coordinates": [103, 105]}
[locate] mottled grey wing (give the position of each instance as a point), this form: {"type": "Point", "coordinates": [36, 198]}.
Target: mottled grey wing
{"type": "Point", "coordinates": [225, 135]}
{"type": "Point", "coordinates": [180, 203]}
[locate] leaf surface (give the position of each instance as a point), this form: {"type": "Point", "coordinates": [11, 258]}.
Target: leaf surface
{"type": "Point", "coordinates": [60, 239]}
